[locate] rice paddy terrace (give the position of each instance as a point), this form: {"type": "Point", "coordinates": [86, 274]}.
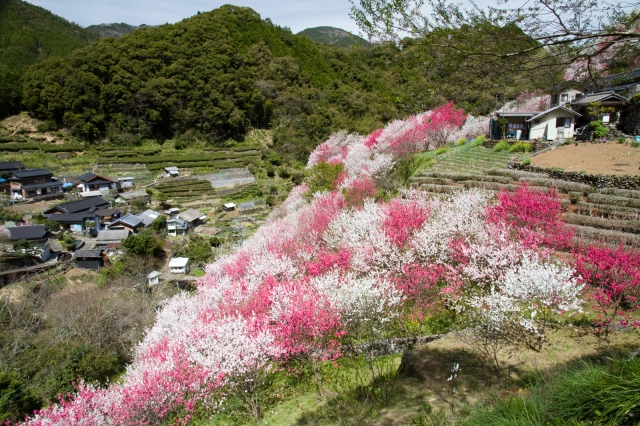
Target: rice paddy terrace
{"type": "Point", "coordinates": [609, 215]}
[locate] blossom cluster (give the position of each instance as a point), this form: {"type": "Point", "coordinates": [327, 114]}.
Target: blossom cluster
{"type": "Point", "coordinates": [324, 269]}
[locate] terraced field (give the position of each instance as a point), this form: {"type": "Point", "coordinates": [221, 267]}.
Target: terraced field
{"type": "Point", "coordinates": [608, 215]}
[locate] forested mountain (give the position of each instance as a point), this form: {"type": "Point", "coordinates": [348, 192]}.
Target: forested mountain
{"type": "Point", "coordinates": [30, 34]}
{"type": "Point", "coordinates": [333, 36]}
{"type": "Point", "coordinates": [219, 73]}
{"type": "Point", "coordinates": [114, 30]}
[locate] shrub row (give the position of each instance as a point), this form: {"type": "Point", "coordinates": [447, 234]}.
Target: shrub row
{"type": "Point", "coordinates": [176, 183]}
{"type": "Point", "coordinates": [628, 193]}
{"type": "Point", "coordinates": [613, 200]}
{"type": "Point", "coordinates": [605, 235]}
{"type": "Point", "coordinates": [600, 222]}
{"type": "Point", "coordinates": [186, 189]}
{"type": "Point", "coordinates": [237, 190]}
{"type": "Point", "coordinates": [561, 185]}
{"type": "Point", "coordinates": [6, 214]}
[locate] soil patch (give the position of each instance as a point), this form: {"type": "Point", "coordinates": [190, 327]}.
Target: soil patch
{"type": "Point", "coordinates": [604, 159]}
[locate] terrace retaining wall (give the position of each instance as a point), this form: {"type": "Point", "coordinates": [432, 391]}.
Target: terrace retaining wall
{"type": "Point", "coordinates": [597, 181]}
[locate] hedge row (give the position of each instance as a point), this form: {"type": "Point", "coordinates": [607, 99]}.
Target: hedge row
{"type": "Point", "coordinates": [600, 222]}
{"type": "Point", "coordinates": [561, 185]}
{"type": "Point", "coordinates": [431, 180]}
{"type": "Point", "coordinates": [607, 209]}
{"type": "Point", "coordinates": [605, 235]}
{"type": "Point", "coordinates": [438, 189]}
{"type": "Point", "coordinates": [189, 158]}
{"type": "Point", "coordinates": [515, 174]}
{"type": "Point", "coordinates": [203, 164]}
{"type": "Point", "coordinates": [613, 200]}
{"type": "Point", "coordinates": [42, 147]}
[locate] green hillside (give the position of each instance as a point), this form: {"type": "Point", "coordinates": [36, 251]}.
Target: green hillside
{"type": "Point", "coordinates": [219, 74]}
{"type": "Point", "coordinates": [30, 34]}
{"type": "Point", "coordinates": [114, 30]}
{"type": "Point", "coordinates": [333, 36]}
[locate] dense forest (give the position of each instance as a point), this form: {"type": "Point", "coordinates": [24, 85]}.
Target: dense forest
{"type": "Point", "coordinates": [220, 73]}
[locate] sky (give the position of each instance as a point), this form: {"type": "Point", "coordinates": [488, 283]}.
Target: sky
{"type": "Point", "coordinates": [295, 14]}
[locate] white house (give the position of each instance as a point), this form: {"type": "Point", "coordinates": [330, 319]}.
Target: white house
{"type": "Point", "coordinates": [154, 278]}
{"type": "Point", "coordinates": [555, 123]}
{"type": "Point", "coordinates": [179, 265]}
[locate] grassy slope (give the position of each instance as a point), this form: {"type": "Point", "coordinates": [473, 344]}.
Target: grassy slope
{"type": "Point", "coordinates": [30, 34]}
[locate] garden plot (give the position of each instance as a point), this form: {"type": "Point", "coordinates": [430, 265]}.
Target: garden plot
{"type": "Point", "coordinates": [229, 177]}
{"type": "Point", "coordinates": [611, 216]}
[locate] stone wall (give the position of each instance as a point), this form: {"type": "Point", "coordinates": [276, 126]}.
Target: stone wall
{"type": "Point", "coordinates": [597, 181]}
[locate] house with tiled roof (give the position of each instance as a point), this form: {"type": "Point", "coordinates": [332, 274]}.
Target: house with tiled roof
{"type": "Point", "coordinates": [33, 183]}
{"type": "Point", "coordinates": [92, 182]}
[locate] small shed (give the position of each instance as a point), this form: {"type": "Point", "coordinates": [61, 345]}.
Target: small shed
{"type": "Point", "coordinates": [171, 171]}
{"type": "Point", "coordinates": [89, 259]}
{"type": "Point", "coordinates": [126, 182]}
{"type": "Point", "coordinates": [154, 278]}
{"type": "Point", "coordinates": [193, 216]}
{"type": "Point", "coordinates": [111, 239]}
{"type": "Point", "coordinates": [172, 212]}
{"type": "Point", "coordinates": [228, 207]}
{"type": "Point", "coordinates": [179, 265]}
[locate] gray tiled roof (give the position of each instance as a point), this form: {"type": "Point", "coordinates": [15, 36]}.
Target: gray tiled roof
{"type": "Point", "coordinates": [190, 215]}
{"type": "Point", "coordinates": [31, 173]}
{"type": "Point", "coordinates": [81, 205]}
{"type": "Point", "coordinates": [129, 220]}
{"type": "Point", "coordinates": [88, 253]}
{"type": "Point", "coordinates": [33, 232]}
{"type": "Point", "coordinates": [112, 235]}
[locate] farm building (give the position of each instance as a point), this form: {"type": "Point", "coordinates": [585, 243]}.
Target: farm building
{"type": "Point", "coordinates": [228, 207]}
{"type": "Point", "coordinates": [89, 259]}
{"type": "Point", "coordinates": [154, 278]}
{"type": "Point", "coordinates": [171, 171]}
{"type": "Point", "coordinates": [128, 197]}
{"type": "Point", "coordinates": [126, 182]}
{"type": "Point", "coordinates": [179, 265]}
{"type": "Point", "coordinates": [111, 239]}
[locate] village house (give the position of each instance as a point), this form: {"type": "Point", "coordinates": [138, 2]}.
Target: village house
{"type": "Point", "coordinates": [89, 259]}
{"type": "Point", "coordinates": [148, 216]}
{"type": "Point", "coordinates": [5, 168]}
{"type": "Point", "coordinates": [38, 184]}
{"type": "Point", "coordinates": [74, 215]}
{"type": "Point", "coordinates": [35, 236]}
{"type": "Point", "coordinates": [172, 212]}
{"type": "Point", "coordinates": [179, 265]}
{"type": "Point", "coordinates": [614, 103]}
{"type": "Point", "coordinates": [93, 182]}
{"type": "Point", "coordinates": [177, 226]}
{"type": "Point", "coordinates": [111, 239]}
{"type": "Point", "coordinates": [193, 217]}
{"type": "Point", "coordinates": [130, 222]}
{"type": "Point", "coordinates": [553, 124]}
{"type": "Point", "coordinates": [107, 216]}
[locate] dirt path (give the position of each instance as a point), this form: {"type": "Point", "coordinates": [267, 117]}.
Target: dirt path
{"type": "Point", "coordinates": [606, 159]}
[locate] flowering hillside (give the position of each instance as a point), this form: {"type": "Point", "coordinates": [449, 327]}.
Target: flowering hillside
{"type": "Point", "coordinates": [338, 267]}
